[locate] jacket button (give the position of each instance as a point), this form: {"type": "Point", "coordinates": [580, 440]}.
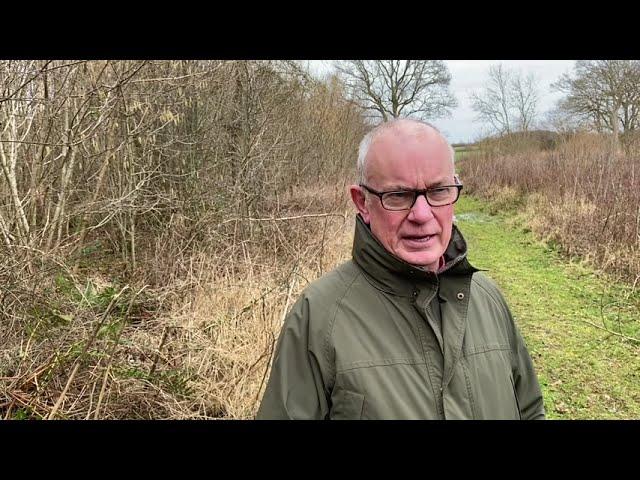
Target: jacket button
{"type": "Point", "coordinates": [460, 295]}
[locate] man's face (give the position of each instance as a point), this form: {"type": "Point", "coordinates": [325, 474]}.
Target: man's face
{"type": "Point", "coordinates": [398, 161]}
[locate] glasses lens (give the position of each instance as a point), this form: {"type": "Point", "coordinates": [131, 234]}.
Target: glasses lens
{"type": "Point", "coordinates": [398, 200]}
{"type": "Point", "coordinates": [404, 200]}
{"type": "Point", "coordinates": [442, 196]}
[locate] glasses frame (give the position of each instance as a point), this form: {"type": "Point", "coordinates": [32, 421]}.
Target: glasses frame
{"type": "Point", "coordinates": [416, 193]}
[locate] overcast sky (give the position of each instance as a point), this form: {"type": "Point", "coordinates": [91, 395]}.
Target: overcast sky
{"type": "Point", "coordinates": [470, 75]}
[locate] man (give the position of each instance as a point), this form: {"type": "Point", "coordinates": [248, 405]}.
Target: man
{"type": "Point", "coordinates": [407, 329]}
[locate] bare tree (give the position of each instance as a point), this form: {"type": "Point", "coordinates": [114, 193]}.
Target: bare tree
{"type": "Point", "coordinates": [605, 93]}
{"type": "Point", "coordinates": [391, 88]}
{"type": "Point", "coordinates": [508, 102]}
{"type": "Point", "coordinates": [561, 121]}
{"type": "Point", "coordinates": [493, 103]}
{"type": "Point", "coordinates": [524, 100]}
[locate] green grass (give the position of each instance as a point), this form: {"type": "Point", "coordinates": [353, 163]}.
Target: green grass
{"type": "Point", "coordinates": [584, 372]}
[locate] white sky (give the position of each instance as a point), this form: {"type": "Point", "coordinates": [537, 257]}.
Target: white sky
{"type": "Point", "coordinates": [470, 75]}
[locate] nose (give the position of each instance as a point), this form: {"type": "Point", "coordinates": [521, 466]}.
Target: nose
{"type": "Point", "coordinates": [421, 211]}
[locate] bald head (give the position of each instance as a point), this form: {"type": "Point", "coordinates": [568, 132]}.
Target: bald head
{"type": "Point", "coordinates": [397, 131]}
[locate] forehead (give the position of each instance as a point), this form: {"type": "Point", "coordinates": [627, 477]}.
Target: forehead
{"type": "Point", "coordinates": [408, 158]}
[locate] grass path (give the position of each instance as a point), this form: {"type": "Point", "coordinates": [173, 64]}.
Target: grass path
{"type": "Point", "coordinates": [585, 372]}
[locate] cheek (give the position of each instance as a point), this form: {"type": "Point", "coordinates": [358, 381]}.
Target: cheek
{"type": "Point", "coordinates": [385, 227]}
{"type": "Point", "coordinates": [445, 219]}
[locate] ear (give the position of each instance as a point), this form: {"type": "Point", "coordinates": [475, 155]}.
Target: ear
{"type": "Point", "coordinates": [358, 197]}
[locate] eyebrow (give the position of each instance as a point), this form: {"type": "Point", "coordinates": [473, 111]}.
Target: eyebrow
{"type": "Point", "coordinates": [396, 187]}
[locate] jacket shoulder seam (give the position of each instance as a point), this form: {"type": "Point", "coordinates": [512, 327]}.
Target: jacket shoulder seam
{"type": "Point", "coordinates": [329, 334]}
{"type": "Point", "coordinates": [499, 302]}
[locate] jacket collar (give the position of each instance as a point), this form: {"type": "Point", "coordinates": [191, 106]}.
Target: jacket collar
{"type": "Point", "coordinates": [392, 274]}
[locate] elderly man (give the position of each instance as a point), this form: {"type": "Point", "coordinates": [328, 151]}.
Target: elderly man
{"type": "Point", "coordinates": [407, 329]}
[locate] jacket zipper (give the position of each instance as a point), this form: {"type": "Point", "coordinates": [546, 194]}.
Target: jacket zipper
{"type": "Point", "coordinates": [423, 322]}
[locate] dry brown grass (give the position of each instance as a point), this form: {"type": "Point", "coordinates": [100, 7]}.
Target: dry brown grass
{"type": "Point", "coordinates": [582, 196]}
{"type": "Point", "coordinates": [199, 347]}
{"type": "Point", "coordinates": [231, 325]}
{"type": "Point", "coordinates": [150, 238]}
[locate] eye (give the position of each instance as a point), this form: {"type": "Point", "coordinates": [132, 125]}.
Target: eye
{"type": "Point", "coordinates": [399, 195]}
{"type": "Point", "coordinates": [437, 193]}
{"type": "Point", "coordinates": [398, 199]}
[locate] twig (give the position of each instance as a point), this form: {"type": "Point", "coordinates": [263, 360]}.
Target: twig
{"type": "Point", "coordinates": [157, 354]}
{"type": "Point", "coordinates": [102, 390]}
{"type": "Point", "coordinates": [266, 369]}
{"type": "Point", "coordinates": [280, 219]}
{"type": "Point", "coordinates": [55, 408]}
{"type": "Point", "coordinates": [324, 232]}
{"type": "Point", "coordinates": [632, 339]}
{"type": "Point", "coordinates": [286, 305]}
{"type": "Point", "coordinates": [111, 352]}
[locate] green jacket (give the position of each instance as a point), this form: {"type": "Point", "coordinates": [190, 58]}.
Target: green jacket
{"type": "Point", "coordinates": [378, 338]}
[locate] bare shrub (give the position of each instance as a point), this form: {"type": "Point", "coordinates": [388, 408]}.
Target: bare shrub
{"type": "Point", "coordinates": [587, 197]}
{"type": "Point", "coordinates": [156, 218]}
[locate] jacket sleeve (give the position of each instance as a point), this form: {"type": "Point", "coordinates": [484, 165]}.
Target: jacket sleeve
{"type": "Point", "coordinates": [526, 382]}
{"type": "Point", "coordinates": [296, 389]}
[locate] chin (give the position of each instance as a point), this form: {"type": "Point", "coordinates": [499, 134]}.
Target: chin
{"type": "Point", "coordinates": [421, 259]}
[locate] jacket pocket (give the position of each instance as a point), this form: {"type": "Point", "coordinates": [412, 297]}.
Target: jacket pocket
{"type": "Point", "coordinates": [494, 395]}
{"type": "Point", "coordinates": [346, 405]}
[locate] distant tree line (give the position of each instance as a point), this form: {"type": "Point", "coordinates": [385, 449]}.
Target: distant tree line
{"type": "Point", "coordinates": [600, 95]}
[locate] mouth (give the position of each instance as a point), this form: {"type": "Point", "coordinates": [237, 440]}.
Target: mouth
{"type": "Point", "coordinates": [419, 239]}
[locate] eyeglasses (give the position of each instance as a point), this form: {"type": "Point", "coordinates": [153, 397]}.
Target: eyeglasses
{"type": "Point", "coordinates": [405, 199]}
